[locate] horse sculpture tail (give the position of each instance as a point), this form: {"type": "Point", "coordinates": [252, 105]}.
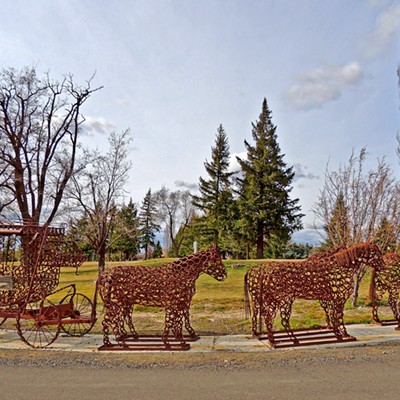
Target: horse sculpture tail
{"type": "Point", "coordinates": [247, 308]}
{"type": "Point", "coordinates": [103, 287]}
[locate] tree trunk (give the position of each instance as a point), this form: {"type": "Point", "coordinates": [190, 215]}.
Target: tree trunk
{"type": "Point", "coordinates": [102, 260]}
{"type": "Point", "coordinates": [357, 282]}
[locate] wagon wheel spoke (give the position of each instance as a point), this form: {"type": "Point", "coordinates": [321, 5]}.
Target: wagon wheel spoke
{"type": "Point", "coordinates": [82, 310]}
{"type": "Point", "coordinates": [39, 323]}
{"type": "Point", "coordinates": [2, 321]}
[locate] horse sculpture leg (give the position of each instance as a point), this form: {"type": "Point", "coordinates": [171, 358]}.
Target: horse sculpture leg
{"type": "Point", "coordinates": [337, 315]}
{"type": "Point", "coordinates": [112, 321]}
{"type": "Point", "coordinates": [173, 322]}
{"type": "Point", "coordinates": [394, 305]}
{"type": "Point", "coordinates": [255, 319]}
{"type": "Point", "coordinates": [376, 299]}
{"type": "Point", "coordinates": [188, 327]}
{"type": "Point", "coordinates": [129, 322]}
{"type": "Point", "coordinates": [285, 309]}
{"type": "Point", "coordinates": [325, 306]}
{"type": "Point", "coordinates": [177, 326]}
{"type": "Point", "coordinates": [106, 323]}
{"type": "Point", "coordinates": [269, 312]}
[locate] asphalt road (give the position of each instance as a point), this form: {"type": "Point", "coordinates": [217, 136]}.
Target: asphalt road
{"type": "Point", "coordinates": [356, 375]}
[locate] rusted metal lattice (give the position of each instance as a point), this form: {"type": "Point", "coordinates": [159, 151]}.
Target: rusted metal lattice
{"type": "Point", "coordinates": [171, 286]}
{"type": "Point", "coordinates": [387, 280]}
{"type": "Point", "coordinates": [31, 256]}
{"type": "Point", "coordinates": [30, 260]}
{"type": "Point", "coordinates": [273, 287]}
{"type": "Point", "coordinates": [253, 286]}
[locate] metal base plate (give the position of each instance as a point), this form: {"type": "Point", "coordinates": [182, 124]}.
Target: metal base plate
{"type": "Point", "coordinates": [149, 343]}
{"type": "Point", "coordinates": [306, 337]}
{"type": "Point", "coordinates": [388, 322]}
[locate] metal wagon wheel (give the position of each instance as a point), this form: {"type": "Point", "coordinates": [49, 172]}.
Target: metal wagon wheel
{"type": "Point", "coordinates": [82, 312]}
{"type": "Point", "coordinates": [39, 323]}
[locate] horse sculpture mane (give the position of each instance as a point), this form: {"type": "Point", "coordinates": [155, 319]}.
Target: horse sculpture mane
{"type": "Point", "coordinates": [346, 257]}
{"type": "Point", "coordinates": [349, 256]}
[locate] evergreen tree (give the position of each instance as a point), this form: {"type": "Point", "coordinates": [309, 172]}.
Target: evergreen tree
{"type": "Point", "coordinates": [266, 209]}
{"type": "Point", "coordinates": [338, 227]}
{"type": "Point", "coordinates": [148, 224]}
{"type": "Point", "coordinates": [192, 233]}
{"type": "Point", "coordinates": [127, 231]}
{"type": "Point", "coordinates": [386, 236]}
{"type": "Point", "coordinates": [216, 196]}
{"type": "Point", "coordinates": [158, 251]}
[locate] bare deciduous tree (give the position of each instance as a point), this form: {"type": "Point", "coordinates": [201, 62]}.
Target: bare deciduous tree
{"type": "Point", "coordinates": [97, 190]}
{"type": "Point", "coordinates": [39, 126]}
{"type": "Point", "coordinates": [370, 200]}
{"type": "Point", "coordinates": [176, 210]}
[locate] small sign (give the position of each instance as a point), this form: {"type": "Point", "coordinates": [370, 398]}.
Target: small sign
{"type": "Point", "coordinates": [6, 282]}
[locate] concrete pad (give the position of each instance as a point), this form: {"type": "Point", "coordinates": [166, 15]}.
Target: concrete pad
{"type": "Point", "coordinates": [366, 334]}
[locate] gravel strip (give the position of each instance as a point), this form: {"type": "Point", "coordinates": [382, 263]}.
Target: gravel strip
{"type": "Point", "coordinates": [201, 361]}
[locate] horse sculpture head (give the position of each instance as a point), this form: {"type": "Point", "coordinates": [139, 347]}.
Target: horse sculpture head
{"type": "Point", "coordinates": [361, 254]}
{"type": "Point", "coordinates": [213, 265]}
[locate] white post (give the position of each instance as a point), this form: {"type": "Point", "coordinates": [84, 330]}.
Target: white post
{"type": "Point", "coordinates": [195, 247]}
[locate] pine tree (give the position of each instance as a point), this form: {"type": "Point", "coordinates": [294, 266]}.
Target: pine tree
{"type": "Point", "coordinates": [158, 251]}
{"type": "Point", "coordinates": [216, 195]}
{"type": "Point", "coordinates": [148, 224]}
{"type": "Point", "coordinates": [386, 236]}
{"type": "Point", "coordinates": [266, 211]}
{"type": "Point", "coordinates": [127, 231]}
{"type": "Point", "coordinates": [338, 227]}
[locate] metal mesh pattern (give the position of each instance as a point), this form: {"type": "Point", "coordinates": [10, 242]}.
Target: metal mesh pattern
{"type": "Point", "coordinates": [329, 279]}
{"type": "Point", "coordinates": [171, 286]}
{"type": "Point", "coordinates": [32, 256]}
{"type": "Point", "coordinates": [387, 280]}
{"type": "Point", "coordinates": [253, 285]}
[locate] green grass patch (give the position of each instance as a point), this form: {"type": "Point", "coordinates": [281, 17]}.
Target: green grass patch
{"type": "Point", "coordinates": [217, 307]}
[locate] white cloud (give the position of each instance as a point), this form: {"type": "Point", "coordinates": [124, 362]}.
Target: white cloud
{"type": "Point", "coordinates": [186, 185]}
{"type": "Point", "coordinates": [310, 236]}
{"type": "Point", "coordinates": [93, 126]}
{"type": "Point", "coordinates": [234, 165]}
{"type": "Point", "coordinates": [322, 85]}
{"type": "Point", "coordinates": [386, 31]}
{"type": "Point", "coordinates": [300, 172]}
{"type": "Point", "coordinates": [124, 102]}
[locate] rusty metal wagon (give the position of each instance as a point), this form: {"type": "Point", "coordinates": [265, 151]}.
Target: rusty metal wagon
{"type": "Point", "coordinates": [31, 257]}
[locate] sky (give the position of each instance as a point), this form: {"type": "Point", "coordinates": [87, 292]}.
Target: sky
{"type": "Point", "coordinates": [172, 71]}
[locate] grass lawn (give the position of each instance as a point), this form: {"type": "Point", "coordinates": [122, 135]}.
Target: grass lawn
{"type": "Point", "coordinates": [217, 307]}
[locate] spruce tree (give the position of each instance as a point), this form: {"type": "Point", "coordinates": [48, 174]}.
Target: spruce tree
{"type": "Point", "coordinates": [127, 231]}
{"type": "Point", "coordinates": [338, 227]}
{"type": "Point", "coordinates": [216, 195]}
{"type": "Point", "coordinates": [148, 224]}
{"type": "Point", "coordinates": [266, 211]}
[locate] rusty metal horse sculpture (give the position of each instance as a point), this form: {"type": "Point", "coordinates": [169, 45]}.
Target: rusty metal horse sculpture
{"type": "Point", "coordinates": [171, 286]}
{"type": "Point", "coordinates": [253, 287]}
{"type": "Point", "coordinates": [327, 279]}
{"type": "Point", "coordinates": [387, 280]}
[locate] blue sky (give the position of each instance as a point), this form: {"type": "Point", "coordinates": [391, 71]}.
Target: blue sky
{"type": "Point", "coordinates": [174, 70]}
